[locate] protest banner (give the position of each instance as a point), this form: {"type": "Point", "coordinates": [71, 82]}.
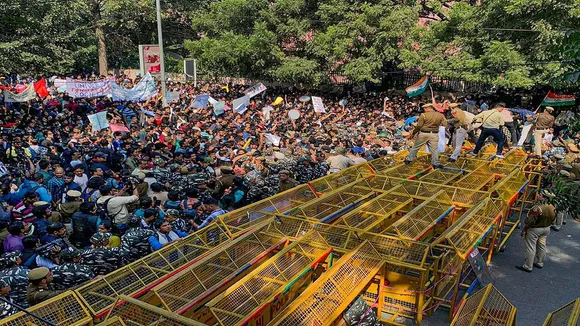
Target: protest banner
{"type": "Point", "coordinates": [28, 94]}
{"type": "Point", "coordinates": [318, 105]}
{"type": "Point", "coordinates": [58, 83]}
{"type": "Point", "coordinates": [118, 127]}
{"type": "Point", "coordinates": [255, 90]}
{"type": "Point", "coordinates": [241, 104]}
{"type": "Point", "coordinates": [88, 89]}
{"type": "Point", "coordinates": [201, 101]}
{"type": "Point", "coordinates": [99, 120]}
{"type": "Point", "coordinates": [145, 89]}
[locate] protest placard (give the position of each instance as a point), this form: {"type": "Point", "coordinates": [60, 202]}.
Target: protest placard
{"type": "Point", "coordinates": [241, 104]}
{"type": "Point", "coordinates": [255, 90]}
{"type": "Point", "coordinates": [99, 120]}
{"type": "Point", "coordinates": [145, 89]}
{"type": "Point", "coordinates": [318, 105]}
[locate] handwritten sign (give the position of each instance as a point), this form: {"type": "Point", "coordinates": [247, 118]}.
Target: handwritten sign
{"type": "Point", "coordinates": [318, 105]}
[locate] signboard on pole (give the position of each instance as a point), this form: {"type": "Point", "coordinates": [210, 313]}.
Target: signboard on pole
{"type": "Point", "coordinates": [149, 59]}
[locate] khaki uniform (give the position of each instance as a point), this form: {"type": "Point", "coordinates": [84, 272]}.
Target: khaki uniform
{"type": "Point", "coordinates": [543, 124]}
{"type": "Point", "coordinates": [428, 130]}
{"type": "Point", "coordinates": [537, 224]}
{"type": "Point", "coordinates": [288, 184]}
{"type": "Point", "coordinates": [461, 128]}
{"type": "Point", "coordinates": [36, 294]}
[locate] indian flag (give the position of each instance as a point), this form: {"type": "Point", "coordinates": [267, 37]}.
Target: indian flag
{"type": "Point", "coordinates": [418, 88]}
{"type": "Point", "coordinates": [553, 99]}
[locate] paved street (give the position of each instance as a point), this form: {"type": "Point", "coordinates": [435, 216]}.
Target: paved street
{"type": "Point", "coordinates": [538, 293]}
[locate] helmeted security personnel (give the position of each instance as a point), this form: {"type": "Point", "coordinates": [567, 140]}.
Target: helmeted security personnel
{"type": "Point", "coordinates": [100, 258]}
{"type": "Point", "coordinates": [544, 122]}
{"type": "Point", "coordinates": [536, 230]}
{"type": "Point", "coordinates": [40, 288]}
{"type": "Point", "coordinates": [428, 130]}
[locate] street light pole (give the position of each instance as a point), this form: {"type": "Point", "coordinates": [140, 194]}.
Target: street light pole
{"type": "Point", "coordinates": [161, 55]}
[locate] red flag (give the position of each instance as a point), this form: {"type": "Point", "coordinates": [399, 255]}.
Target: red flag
{"type": "Point", "coordinates": [40, 88]}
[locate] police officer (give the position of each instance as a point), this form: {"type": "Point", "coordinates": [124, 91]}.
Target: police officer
{"type": "Point", "coordinates": [177, 223]}
{"type": "Point", "coordinates": [16, 276]}
{"type": "Point", "coordinates": [40, 288]}
{"type": "Point", "coordinates": [101, 259]}
{"type": "Point", "coordinates": [544, 122]}
{"type": "Point", "coordinates": [135, 241]}
{"type": "Point", "coordinates": [536, 230]}
{"type": "Point", "coordinates": [286, 182]}
{"type": "Point", "coordinates": [428, 130]}
{"type": "Point", "coordinates": [72, 272]}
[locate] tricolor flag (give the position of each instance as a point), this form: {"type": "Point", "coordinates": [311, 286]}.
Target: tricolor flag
{"type": "Point", "coordinates": [553, 99]}
{"type": "Point", "coordinates": [418, 88]}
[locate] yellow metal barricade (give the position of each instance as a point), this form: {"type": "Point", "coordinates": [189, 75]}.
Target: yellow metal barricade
{"type": "Point", "coordinates": [64, 309]}
{"type": "Point", "coordinates": [258, 297]}
{"type": "Point", "coordinates": [325, 300]}
{"type": "Point", "coordinates": [138, 277]}
{"type": "Point", "coordinates": [137, 313]}
{"type": "Point", "coordinates": [486, 307]}
{"type": "Point", "coordinates": [186, 292]}
{"type": "Point", "coordinates": [568, 315]}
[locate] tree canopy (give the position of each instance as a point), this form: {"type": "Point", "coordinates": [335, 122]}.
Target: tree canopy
{"type": "Point", "coordinates": [511, 43]}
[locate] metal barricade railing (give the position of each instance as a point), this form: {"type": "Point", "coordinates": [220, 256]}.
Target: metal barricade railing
{"type": "Point", "coordinates": [325, 300]}
{"type": "Point", "coordinates": [378, 213]}
{"type": "Point", "coordinates": [440, 176]}
{"type": "Point", "coordinates": [568, 315]}
{"type": "Point", "coordinates": [415, 224]}
{"type": "Point", "coordinates": [260, 295]}
{"type": "Point", "coordinates": [64, 309]}
{"type": "Point", "coordinates": [486, 307]}
{"type": "Point", "coordinates": [138, 313]}
{"type": "Point", "coordinates": [466, 233]}
{"type": "Point", "coordinates": [186, 292]}
{"type": "Point", "coordinates": [138, 277]}
{"type": "Point", "coordinates": [510, 186]}
{"type": "Point", "coordinates": [241, 219]}
{"type": "Point", "coordinates": [344, 239]}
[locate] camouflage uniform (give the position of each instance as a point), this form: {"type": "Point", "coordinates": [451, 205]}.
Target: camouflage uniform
{"type": "Point", "coordinates": [183, 182]}
{"type": "Point", "coordinates": [272, 183]}
{"type": "Point", "coordinates": [320, 170]}
{"type": "Point", "coordinates": [181, 225]}
{"type": "Point", "coordinates": [7, 309]}
{"type": "Point", "coordinates": [103, 260]}
{"type": "Point", "coordinates": [303, 173]}
{"type": "Point", "coordinates": [17, 279]}
{"type": "Point", "coordinates": [136, 242]}
{"type": "Point", "coordinates": [257, 187]}
{"type": "Point", "coordinates": [162, 175]}
{"type": "Point", "coordinates": [69, 275]}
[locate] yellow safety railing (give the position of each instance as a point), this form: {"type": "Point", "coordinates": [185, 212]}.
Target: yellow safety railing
{"type": "Point", "coordinates": [64, 309]}
{"type": "Point", "coordinates": [466, 233]}
{"type": "Point", "coordinates": [415, 224]}
{"type": "Point", "coordinates": [325, 300]}
{"type": "Point", "coordinates": [568, 315]}
{"type": "Point", "coordinates": [486, 307]}
{"type": "Point", "coordinates": [187, 291]}
{"type": "Point", "coordinates": [138, 277]}
{"type": "Point", "coordinates": [138, 313]}
{"type": "Point", "coordinates": [260, 295]}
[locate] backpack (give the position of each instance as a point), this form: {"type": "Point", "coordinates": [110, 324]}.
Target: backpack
{"type": "Point", "coordinates": [103, 211]}
{"type": "Point", "coordinates": [87, 196]}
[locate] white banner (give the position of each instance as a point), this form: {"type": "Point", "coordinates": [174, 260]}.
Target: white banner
{"type": "Point", "coordinates": [255, 90]}
{"type": "Point", "coordinates": [28, 94]}
{"type": "Point", "coordinates": [88, 89]}
{"type": "Point", "coordinates": [99, 120]}
{"type": "Point", "coordinates": [241, 104]}
{"type": "Point", "coordinates": [318, 105]}
{"type": "Point", "coordinates": [144, 89]}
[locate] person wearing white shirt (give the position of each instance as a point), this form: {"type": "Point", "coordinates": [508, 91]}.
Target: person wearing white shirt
{"type": "Point", "coordinates": [81, 178]}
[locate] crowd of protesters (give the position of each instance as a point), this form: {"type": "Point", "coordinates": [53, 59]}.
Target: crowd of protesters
{"type": "Point", "coordinates": [78, 203]}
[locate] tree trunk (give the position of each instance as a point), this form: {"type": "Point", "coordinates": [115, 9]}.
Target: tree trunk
{"type": "Point", "coordinates": [100, 35]}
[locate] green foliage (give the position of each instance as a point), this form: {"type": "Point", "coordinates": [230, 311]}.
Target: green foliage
{"type": "Point", "coordinates": [567, 193]}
